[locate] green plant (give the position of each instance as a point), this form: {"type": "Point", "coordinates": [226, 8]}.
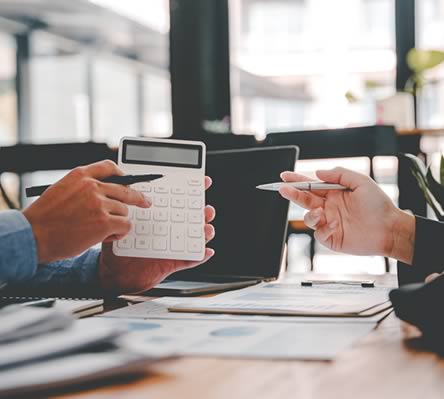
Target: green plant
{"type": "Point", "coordinates": [432, 189]}
{"type": "Point", "coordinates": [421, 61]}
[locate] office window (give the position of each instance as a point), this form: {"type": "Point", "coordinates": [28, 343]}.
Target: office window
{"type": "Point", "coordinates": [115, 99]}
{"type": "Point", "coordinates": [8, 95]}
{"type": "Point", "coordinates": [8, 110]}
{"type": "Point", "coordinates": [134, 98]}
{"type": "Point", "coordinates": [157, 116]}
{"type": "Point", "coordinates": [430, 36]}
{"type": "Point", "coordinates": [153, 13]}
{"type": "Point", "coordinates": [58, 91]}
{"type": "Point", "coordinates": [300, 64]}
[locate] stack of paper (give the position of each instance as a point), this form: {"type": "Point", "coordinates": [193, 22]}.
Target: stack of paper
{"type": "Point", "coordinates": [259, 335]}
{"type": "Point", "coordinates": [42, 349]}
{"type": "Point", "coordinates": [294, 300]}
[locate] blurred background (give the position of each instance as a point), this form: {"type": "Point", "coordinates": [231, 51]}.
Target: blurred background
{"type": "Point", "coordinates": [230, 72]}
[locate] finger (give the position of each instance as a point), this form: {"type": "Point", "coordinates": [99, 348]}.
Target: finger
{"type": "Point", "coordinates": [324, 233]}
{"type": "Point", "coordinates": [293, 177]}
{"type": "Point", "coordinates": [114, 237]}
{"type": "Point", "coordinates": [210, 232]}
{"type": "Point", "coordinates": [180, 265]}
{"type": "Point", "coordinates": [315, 219]}
{"type": "Point", "coordinates": [115, 207]}
{"type": "Point", "coordinates": [343, 176]}
{"type": "Point", "coordinates": [102, 169]}
{"type": "Point", "coordinates": [125, 194]}
{"type": "Point", "coordinates": [431, 277]}
{"type": "Point", "coordinates": [302, 198]}
{"type": "Point", "coordinates": [208, 182]}
{"type": "Point", "coordinates": [210, 214]}
{"type": "Point", "coordinates": [118, 226]}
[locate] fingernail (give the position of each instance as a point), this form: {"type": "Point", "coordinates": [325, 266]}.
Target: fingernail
{"type": "Point", "coordinates": [285, 173]}
{"type": "Point", "coordinates": [146, 201]}
{"type": "Point", "coordinates": [317, 212]}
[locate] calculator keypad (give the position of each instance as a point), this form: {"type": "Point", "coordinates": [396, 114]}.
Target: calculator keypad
{"type": "Point", "coordinates": [172, 227]}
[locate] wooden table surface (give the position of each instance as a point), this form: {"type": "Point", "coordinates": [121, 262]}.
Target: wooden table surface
{"type": "Point", "coordinates": [388, 363]}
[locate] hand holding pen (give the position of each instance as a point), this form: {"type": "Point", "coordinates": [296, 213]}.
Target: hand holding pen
{"type": "Point", "coordinates": [82, 210]}
{"type": "Point", "coordinates": [361, 220]}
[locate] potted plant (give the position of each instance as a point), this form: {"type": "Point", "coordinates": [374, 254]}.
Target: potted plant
{"type": "Point", "coordinates": [432, 188]}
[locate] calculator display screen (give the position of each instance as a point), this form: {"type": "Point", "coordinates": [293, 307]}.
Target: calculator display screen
{"type": "Point", "coordinates": [162, 154]}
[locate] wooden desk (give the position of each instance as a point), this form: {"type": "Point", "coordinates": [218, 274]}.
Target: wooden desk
{"type": "Point", "coordinates": [383, 365]}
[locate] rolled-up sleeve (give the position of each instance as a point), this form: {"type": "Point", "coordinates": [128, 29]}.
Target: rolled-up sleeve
{"type": "Point", "coordinates": [18, 252]}
{"type": "Point", "coordinates": [21, 273]}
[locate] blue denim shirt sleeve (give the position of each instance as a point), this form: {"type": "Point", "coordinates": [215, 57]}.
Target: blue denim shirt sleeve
{"type": "Point", "coordinates": [18, 252]}
{"type": "Point", "coordinates": [19, 263]}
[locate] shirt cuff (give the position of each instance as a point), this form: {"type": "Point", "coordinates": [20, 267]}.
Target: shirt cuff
{"type": "Point", "coordinates": [428, 246]}
{"type": "Point", "coordinates": [18, 249]}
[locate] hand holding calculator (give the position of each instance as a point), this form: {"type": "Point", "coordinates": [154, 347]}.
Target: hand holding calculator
{"type": "Point", "coordinates": [173, 228]}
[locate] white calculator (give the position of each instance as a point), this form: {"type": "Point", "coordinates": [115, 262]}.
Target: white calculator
{"type": "Point", "coordinates": [173, 228]}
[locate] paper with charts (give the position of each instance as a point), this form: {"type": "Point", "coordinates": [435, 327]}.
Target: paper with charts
{"type": "Point", "coordinates": [294, 300]}
{"type": "Point", "coordinates": [242, 339]}
{"type": "Point", "coordinates": [158, 309]}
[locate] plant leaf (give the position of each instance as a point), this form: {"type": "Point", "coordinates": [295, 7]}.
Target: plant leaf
{"type": "Point", "coordinates": [430, 199]}
{"type": "Point", "coordinates": [422, 60]}
{"type": "Point", "coordinates": [416, 163]}
{"type": "Point", "coordinates": [441, 170]}
{"type": "Point", "coordinates": [436, 188]}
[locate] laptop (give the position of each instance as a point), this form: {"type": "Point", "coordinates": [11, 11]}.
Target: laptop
{"type": "Point", "coordinates": [251, 225]}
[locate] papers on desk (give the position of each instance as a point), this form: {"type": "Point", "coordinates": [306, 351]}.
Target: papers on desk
{"type": "Point", "coordinates": [158, 309]}
{"type": "Point", "coordinates": [42, 349]}
{"type": "Point", "coordinates": [244, 339]}
{"type": "Point", "coordinates": [260, 336]}
{"type": "Point", "coordinates": [294, 300]}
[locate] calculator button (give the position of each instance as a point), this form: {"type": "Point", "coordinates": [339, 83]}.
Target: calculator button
{"type": "Point", "coordinates": [177, 216]}
{"type": "Point", "coordinates": [195, 217]}
{"type": "Point", "coordinates": [194, 182]}
{"type": "Point", "coordinates": [160, 229]}
{"type": "Point", "coordinates": [160, 215]}
{"type": "Point", "coordinates": [195, 191]}
{"type": "Point", "coordinates": [178, 202]}
{"type": "Point", "coordinates": [143, 214]}
{"type": "Point", "coordinates": [160, 244]}
{"type": "Point", "coordinates": [178, 238]}
{"type": "Point", "coordinates": [161, 190]}
{"type": "Point", "coordinates": [142, 229]}
{"type": "Point", "coordinates": [177, 191]}
{"type": "Point", "coordinates": [195, 245]}
{"type": "Point", "coordinates": [161, 202]}
{"type": "Point", "coordinates": [195, 231]}
{"type": "Point", "coordinates": [194, 203]}
{"type": "Point", "coordinates": [125, 243]}
{"type": "Point", "coordinates": [142, 243]}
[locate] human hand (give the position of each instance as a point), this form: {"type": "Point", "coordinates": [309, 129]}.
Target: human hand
{"type": "Point", "coordinates": [360, 221]}
{"type": "Point", "coordinates": [120, 275]}
{"type": "Point", "coordinates": [79, 211]}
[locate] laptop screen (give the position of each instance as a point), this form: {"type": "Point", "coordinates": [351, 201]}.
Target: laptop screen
{"type": "Point", "coordinates": [251, 224]}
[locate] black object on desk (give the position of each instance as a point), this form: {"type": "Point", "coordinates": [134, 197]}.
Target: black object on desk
{"type": "Point", "coordinates": [421, 305]}
{"type": "Point", "coordinates": [123, 180]}
{"type": "Point", "coordinates": [24, 301]}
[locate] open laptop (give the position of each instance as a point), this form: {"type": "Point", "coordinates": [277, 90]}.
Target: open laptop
{"type": "Point", "coordinates": [251, 225]}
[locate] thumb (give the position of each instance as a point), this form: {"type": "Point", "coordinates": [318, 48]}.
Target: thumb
{"type": "Point", "coordinates": [342, 176]}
